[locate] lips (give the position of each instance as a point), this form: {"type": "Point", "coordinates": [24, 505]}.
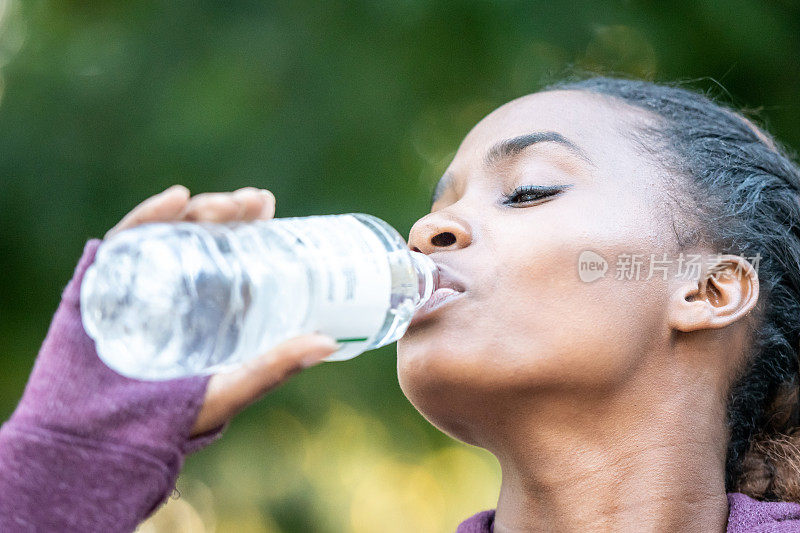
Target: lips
{"type": "Point", "coordinates": [448, 278]}
{"type": "Point", "coordinates": [450, 288]}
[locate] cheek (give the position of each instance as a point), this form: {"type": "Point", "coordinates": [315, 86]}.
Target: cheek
{"type": "Point", "coordinates": [568, 333]}
{"type": "Point", "coordinates": [556, 328]}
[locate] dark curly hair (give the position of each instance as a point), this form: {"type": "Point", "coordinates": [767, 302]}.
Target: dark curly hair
{"type": "Point", "coordinates": [743, 201]}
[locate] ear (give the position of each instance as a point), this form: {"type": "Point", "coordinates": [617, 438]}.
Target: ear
{"type": "Point", "coordinates": [722, 295]}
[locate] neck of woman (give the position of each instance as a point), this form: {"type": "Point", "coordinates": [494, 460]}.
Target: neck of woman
{"type": "Point", "coordinates": [645, 460]}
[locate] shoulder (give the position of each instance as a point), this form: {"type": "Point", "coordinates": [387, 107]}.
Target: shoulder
{"type": "Point", "coordinates": [748, 514]}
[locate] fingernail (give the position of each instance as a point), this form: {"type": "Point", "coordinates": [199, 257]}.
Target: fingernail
{"type": "Point", "coordinates": [326, 342]}
{"type": "Point", "coordinates": [268, 194]}
{"type": "Point", "coordinates": [174, 188]}
{"type": "Point", "coordinates": [327, 346]}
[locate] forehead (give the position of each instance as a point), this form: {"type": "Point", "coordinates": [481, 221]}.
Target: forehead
{"type": "Point", "coordinates": [593, 122]}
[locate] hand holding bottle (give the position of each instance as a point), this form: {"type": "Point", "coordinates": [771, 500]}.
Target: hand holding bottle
{"type": "Point", "coordinates": [230, 392]}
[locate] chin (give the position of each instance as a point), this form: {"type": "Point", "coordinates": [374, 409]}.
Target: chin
{"type": "Point", "coordinates": [444, 383]}
{"type": "Point", "coordinates": [440, 404]}
{"type": "Point", "coordinates": [426, 357]}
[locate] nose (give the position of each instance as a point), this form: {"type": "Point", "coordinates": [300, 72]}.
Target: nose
{"type": "Point", "coordinates": [439, 231]}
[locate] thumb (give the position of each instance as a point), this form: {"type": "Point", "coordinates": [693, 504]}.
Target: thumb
{"type": "Point", "coordinates": [292, 355]}
{"type": "Point", "coordinates": [230, 392]}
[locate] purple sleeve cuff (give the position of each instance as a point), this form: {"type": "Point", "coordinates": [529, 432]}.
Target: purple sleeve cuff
{"type": "Point", "coordinates": [81, 429]}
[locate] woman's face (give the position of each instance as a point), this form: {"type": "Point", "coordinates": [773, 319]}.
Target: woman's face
{"type": "Point", "coordinates": [527, 325]}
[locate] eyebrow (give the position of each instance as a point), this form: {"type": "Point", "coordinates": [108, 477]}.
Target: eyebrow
{"type": "Point", "coordinates": [513, 146]}
{"type": "Point", "coordinates": [509, 148]}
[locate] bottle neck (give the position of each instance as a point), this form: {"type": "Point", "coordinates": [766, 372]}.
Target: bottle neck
{"type": "Point", "coordinates": [427, 276]}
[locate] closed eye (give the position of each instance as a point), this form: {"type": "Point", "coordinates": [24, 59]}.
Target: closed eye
{"type": "Point", "coordinates": [527, 194]}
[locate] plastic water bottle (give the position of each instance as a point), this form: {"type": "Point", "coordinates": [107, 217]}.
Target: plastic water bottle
{"type": "Point", "coordinates": [168, 300]}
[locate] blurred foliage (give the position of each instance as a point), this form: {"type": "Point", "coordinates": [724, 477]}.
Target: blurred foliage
{"type": "Point", "coordinates": [336, 107]}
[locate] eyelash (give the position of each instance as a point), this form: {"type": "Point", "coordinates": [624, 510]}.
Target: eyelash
{"type": "Point", "coordinates": [537, 192]}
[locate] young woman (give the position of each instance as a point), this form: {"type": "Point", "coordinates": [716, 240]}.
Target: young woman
{"type": "Point", "coordinates": [624, 337]}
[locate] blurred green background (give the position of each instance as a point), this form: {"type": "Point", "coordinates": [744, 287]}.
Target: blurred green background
{"type": "Point", "coordinates": [336, 107]}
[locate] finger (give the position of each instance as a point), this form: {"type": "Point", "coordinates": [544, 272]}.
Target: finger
{"type": "Point", "coordinates": [268, 210]}
{"type": "Point", "coordinates": [165, 206]}
{"type": "Point", "coordinates": [262, 374]}
{"type": "Point", "coordinates": [251, 201]}
{"type": "Point", "coordinates": [212, 207]}
{"type": "Point", "coordinates": [230, 392]}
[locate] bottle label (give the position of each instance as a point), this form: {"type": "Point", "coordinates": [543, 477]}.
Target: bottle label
{"type": "Point", "coordinates": [351, 276]}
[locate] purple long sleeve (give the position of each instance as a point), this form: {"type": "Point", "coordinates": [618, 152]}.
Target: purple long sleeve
{"type": "Point", "coordinates": [746, 515]}
{"type": "Point", "coordinates": [87, 449]}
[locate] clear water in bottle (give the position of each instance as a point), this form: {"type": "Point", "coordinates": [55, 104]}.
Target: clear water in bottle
{"type": "Point", "coordinates": [168, 300]}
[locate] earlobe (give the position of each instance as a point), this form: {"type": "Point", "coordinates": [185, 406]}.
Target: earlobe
{"type": "Point", "coordinates": [723, 295]}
